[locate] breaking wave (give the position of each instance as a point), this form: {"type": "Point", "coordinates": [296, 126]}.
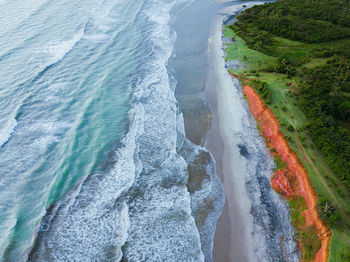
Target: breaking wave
{"type": "Point", "coordinates": [161, 198]}
{"type": "Point", "coordinates": [6, 131]}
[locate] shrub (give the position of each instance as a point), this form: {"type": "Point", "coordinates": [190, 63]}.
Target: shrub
{"type": "Point", "coordinates": [328, 212]}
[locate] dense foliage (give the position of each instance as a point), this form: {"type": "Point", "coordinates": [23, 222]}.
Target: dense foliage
{"type": "Point", "coordinates": [263, 90]}
{"type": "Point", "coordinates": [324, 95]}
{"type": "Point", "coordinates": [322, 100]}
{"type": "Point", "coordinates": [302, 20]}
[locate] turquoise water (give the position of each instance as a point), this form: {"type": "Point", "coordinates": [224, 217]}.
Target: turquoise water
{"type": "Point", "coordinates": [93, 155]}
{"type": "Point", "coordinates": [65, 85]}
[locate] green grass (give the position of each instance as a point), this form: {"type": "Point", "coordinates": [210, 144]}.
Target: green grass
{"type": "Point", "coordinates": [307, 234]}
{"type": "Point", "coordinates": [251, 59]}
{"type": "Point", "coordinates": [297, 205]}
{"type": "Point", "coordinates": [280, 164]}
{"type": "Point", "coordinates": [340, 246]}
{"type": "Point", "coordinates": [316, 62]}
{"type": "Point", "coordinates": [285, 106]}
{"type": "Point", "coordinates": [310, 241]}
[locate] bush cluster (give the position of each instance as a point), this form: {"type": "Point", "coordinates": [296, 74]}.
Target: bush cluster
{"type": "Point", "coordinates": [328, 212]}
{"type": "Point", "coordinates": [263, 90]}
{"type": "Point", "coordinates": [301, 20]}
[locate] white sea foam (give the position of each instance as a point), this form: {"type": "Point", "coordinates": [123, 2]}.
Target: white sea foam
{"type": "Point", "coordinates": [7, 226]}
{"type": "Point", "coordinates": [92, 225]}
{"type": "Point", "coordinates": [161, 224]}
{"type": "Point", "coordinates": [49, 133]}
{"type": "Point", "coordinates": [49, 127]}
{"type": "Point", "coordinates": [57, 50]}
{"type": "Point", "coordinates": [207, 195]}
{"type": "Point", "coordinates": [142, 204]}
{"type": "Point", "coordinates": [6, 131]}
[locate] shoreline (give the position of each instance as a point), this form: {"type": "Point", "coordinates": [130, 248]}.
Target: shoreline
{"type": "Point", "coordinates": [238, 149]}
{"type": "Point", "coordinates": [291, 179]}
{"type": "Point", "coordinates": [190, 65]}
{"type": "Point", "coordinates": [226, 247]}
{"type": "Point", "coordinates": [292, 176]}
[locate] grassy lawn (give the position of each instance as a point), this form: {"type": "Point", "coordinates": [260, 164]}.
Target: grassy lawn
{"type": "Point", "coordinates": [254, 65]}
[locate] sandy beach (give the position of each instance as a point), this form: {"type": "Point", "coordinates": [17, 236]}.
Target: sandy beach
{"type": "Point", "coordinates": [242, 163]}
{"type": "Point", "coordinates": [231, 233]}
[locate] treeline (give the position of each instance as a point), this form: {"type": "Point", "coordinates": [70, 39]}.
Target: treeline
{"type": "Point", "coordinates": [301, 20]}
{"type": "Point", "coordinates": [255, 38]}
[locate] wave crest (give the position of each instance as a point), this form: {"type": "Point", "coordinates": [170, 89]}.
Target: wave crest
{"type": "Point", "coordinates": [6, 131]}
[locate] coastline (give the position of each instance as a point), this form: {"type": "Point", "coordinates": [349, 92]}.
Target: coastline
{"type": "Point", "coordinates": [298, 178]}
{"type": "Point", "coordinates": [284, 95]}
{"type": "Point", "coordinates": [291, 179]}
{"type": "Point", "coordinates": [236, 236]}
{"type": "Point", "coordinates": [238, 149]}
{"type": "Point", "coordinates": [190, 65]}
{"type": "Point", "coordinates": [281, 182]}
{"type": "Point", "coordinates": [226, 247]}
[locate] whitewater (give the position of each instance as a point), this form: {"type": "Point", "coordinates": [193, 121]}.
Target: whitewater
{"type": "Point", "coordinates": [95, 164]}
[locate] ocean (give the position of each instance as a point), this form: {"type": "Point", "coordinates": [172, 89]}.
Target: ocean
{"type": "Point", "coordinates": [105, 109]}
{"type": "Point", "coordinates": [95, 164]}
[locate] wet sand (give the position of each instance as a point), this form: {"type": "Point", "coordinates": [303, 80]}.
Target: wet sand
{"type": "Point", "coordinates": [252, 214]}
{"type": "Point", "coordinates": [229, 242]}
{"type": "Point", "coordinates": [192, 39]}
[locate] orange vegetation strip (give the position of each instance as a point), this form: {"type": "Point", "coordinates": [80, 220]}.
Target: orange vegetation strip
{"type": "Point", "coordinates": [269, 125]}
{"type": "Point", "coordinates": [293, 180]}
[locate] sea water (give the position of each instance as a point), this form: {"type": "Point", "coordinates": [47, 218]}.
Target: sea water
{"type": "Point", "coordinates": [94, 161]}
